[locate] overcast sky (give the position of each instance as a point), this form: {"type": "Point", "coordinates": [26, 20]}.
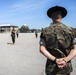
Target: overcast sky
{"type": "Point", "coordinates": [33, 12]}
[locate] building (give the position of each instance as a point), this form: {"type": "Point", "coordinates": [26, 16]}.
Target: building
{"type": "Point", "coordinates": [7, 27]}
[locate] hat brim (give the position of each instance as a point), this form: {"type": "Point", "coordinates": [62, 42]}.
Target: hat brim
{"type": "Point", "coordinates": [57, 8]}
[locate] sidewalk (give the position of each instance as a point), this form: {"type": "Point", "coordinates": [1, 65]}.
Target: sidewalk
{"type": "Point", "coordinates": [24, 57]}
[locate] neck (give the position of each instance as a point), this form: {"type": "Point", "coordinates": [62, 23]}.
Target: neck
{"type": "Point", "coordinates": [58, 20]}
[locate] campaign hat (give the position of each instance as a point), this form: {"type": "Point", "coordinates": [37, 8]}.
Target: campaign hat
{"type": "Point", "coordinates": [57, 8]}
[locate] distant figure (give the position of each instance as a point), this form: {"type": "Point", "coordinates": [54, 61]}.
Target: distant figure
{"type": "Point", "coordinates": [36, 34]}
{"type": "Point", "coordinates": [13, 35]}
{"type": "Point", "coordinates": [17, 33]}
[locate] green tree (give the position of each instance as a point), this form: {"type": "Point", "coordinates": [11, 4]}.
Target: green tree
{"type": "Point", "coordinates": [24, 29]}
{"type": "Point", "coordinates": [75, 28]}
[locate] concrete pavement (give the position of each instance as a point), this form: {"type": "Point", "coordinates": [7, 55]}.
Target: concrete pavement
{"type": "Point", "coordinates": [24, 57]}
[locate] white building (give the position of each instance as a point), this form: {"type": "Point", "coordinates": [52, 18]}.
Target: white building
{"type": "Point", "coordinates": [7, 27]}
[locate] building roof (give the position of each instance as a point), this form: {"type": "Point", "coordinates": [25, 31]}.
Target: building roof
{"type": "Point", "coordinates": [6, 25]}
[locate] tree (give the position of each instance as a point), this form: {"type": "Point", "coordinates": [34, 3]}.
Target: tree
{"type": "Point", "coordinates": [24, 29]}
{"type": "Point", "coordinates": [75, 28]}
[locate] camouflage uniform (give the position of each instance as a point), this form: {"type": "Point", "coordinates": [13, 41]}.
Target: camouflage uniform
{"type": "Point", "coordinates": [58, 37]}
{"type": "Point", "coordinates": [13, 36]}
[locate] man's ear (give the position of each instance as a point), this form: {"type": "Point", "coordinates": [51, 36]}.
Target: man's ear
{"type": "Point", "coordinates": [75, 46]}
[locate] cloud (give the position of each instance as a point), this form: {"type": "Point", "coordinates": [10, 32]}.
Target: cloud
{"type": "Point", "coordinates": [25, 24]}
{"type": "Point", "coordinates": [26, 5]}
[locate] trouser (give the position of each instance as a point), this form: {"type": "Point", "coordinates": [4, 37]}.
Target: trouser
{"type": "Point", "coordinates": [17, 35]}
{"type": "Point", "coordinates": [13, 39]}
{"type": "Point", "coordinates": [57, 74]}
{"type": "Point", "coordinates": [36, 35]}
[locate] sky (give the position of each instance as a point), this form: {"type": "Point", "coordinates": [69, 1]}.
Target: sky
{"type": "Point", "coordinates": [33, 13]}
